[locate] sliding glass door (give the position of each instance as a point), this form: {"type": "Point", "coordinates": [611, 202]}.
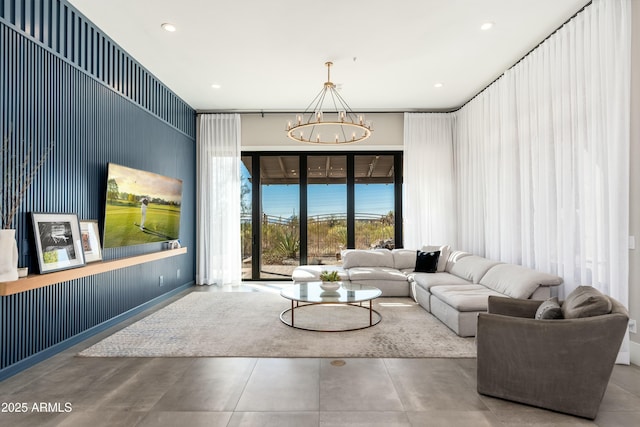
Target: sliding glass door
{"type": "Point", "coordinates": [305, 208]}
{"type": "Point", "coordinates": [326, 208]}
{"type": "Point", "coordinates": [280, 216]}
{"type": "Point", "coordinates": [246, 212]}
{"type": "Point", "coordinates": [374, 202]}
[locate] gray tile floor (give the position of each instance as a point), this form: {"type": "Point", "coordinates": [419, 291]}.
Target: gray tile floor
{"type": "Point", "coordinates": [277, 392]}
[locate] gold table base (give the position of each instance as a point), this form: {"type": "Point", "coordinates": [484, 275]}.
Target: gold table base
{"type": "Point", "coordinates": [295, 305]}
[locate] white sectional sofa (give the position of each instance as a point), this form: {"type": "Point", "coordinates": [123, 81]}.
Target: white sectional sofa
{"type": "Point", "coordinates": [386, 270]}
{"type": "Point", "coordinates": [455, 293]}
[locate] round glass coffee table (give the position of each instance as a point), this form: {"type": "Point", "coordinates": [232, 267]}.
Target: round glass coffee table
{"type": "Point", "coordinates": [311, 294]}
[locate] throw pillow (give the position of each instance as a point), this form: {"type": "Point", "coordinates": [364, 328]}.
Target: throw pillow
{"type": "Point", "coordinates": [427, 262]}
{"type": "Point", "coordinates": [445, 250]}
{"type": "Point", "coordinates": [585, 301]}
{"type": "Point", "coordinates": [549, 309]}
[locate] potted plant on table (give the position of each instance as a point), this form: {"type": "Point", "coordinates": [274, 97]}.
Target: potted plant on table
{"type": "Point", "coordinates": [330, 280]}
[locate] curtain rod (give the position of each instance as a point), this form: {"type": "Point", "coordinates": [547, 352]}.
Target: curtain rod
{"type": "Point", "coordinates": [268, 112]}
{"type": "Point", "coordinates": [525, 55]}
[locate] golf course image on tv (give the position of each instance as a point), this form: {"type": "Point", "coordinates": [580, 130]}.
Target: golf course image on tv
{"type": "Point", "coordinates": [141, 207]}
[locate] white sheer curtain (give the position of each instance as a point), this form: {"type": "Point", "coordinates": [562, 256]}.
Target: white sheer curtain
{"type": "Point", "coordinates": [218, 197]}
{"type": "Point", "coordinates": [428, 210]}
{"type": "Point", "coordinates": [488, 175]}
{"type": "Point", "coordinates": [542, 157]}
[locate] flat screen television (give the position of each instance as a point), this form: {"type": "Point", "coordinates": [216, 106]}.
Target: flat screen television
{"type": "Point", "coordinates": [141, 207]}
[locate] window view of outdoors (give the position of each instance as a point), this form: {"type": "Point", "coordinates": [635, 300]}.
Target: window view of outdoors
{"type": "Point", "coordinates": [280, 189]}
{"type": "Point", "coordinates": [327, 208]}
{"type": "Point", "coordinates": [246, 229]}
{"type": "Point", "coordinates": [374, 202]}
{"type": "Point", "coordinates": [326, 189]}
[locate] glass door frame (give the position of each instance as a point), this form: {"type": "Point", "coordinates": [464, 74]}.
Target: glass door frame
{"type": "Point", "coordinates": [256, 199]}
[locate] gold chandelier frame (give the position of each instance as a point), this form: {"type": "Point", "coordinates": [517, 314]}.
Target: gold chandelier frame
{"type": "Point", "coordinates": [335, 124]}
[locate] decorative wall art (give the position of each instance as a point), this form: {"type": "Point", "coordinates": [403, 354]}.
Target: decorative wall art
{"type": "Point", "coordinates": [90, 240]}
{"type": "Point", "coordinates": [58, 241]}
{"type": "Point", "coordinates": [140, 207]}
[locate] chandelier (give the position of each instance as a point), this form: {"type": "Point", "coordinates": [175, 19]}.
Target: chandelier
{"type": "Point", "coordinates": [334, 124]}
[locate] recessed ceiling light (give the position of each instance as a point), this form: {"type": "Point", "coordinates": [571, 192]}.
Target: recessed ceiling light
{"type": "Point", "coordinates": [216, 86]}
{"type": "Point", "coordinates": [486, 26]}
{"type": "Point", "coordinates": [438, 85]}
{"type": "Point", "coordinates": [168, 27]}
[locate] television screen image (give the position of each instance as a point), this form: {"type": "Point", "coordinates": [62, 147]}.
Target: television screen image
{"type": "Point", "coordinates": [141, 207]}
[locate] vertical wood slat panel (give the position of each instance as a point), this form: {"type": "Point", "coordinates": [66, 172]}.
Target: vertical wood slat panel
{"type": "Point", "coordinates": [59, 26]}
{"type": "Point", "coordinates": [44, 97]}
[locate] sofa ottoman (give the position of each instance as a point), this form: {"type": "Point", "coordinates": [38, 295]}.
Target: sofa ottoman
{"type": "Point", "coordinates": [421, 284]}
{"type": "Point", "coordinates": [457, 306]}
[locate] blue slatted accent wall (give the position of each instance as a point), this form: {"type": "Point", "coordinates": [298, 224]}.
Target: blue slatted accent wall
{"type": "Point", "coordinates": [62, 80]}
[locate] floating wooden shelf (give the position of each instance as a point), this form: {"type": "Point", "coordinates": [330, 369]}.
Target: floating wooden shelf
{"type": "Point", "coordinates": [35, 281]}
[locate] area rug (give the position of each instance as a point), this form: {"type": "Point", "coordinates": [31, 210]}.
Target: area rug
{"type": "Point", "coordinates": [247, 324]}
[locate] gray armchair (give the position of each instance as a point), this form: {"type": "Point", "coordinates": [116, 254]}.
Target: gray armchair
{"type": "Point", "coordinates": [563, 364]}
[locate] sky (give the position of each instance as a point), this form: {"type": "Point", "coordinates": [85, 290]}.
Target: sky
{"type": "Point", "coordinates": [142, 183]}
{"type": "Point", "coordinates": [284, 200]}
{"type": "Point", "coordinates": [281, 200]}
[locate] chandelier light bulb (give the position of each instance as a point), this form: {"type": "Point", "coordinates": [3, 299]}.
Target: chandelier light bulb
{"type": "Point", "coordinates": [167, 26]}
{"type": "Point", "coordinates": [486, 26]}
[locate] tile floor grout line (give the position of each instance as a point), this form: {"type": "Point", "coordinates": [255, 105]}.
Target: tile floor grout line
{"type": "Point", "coordinates": [244, 386]}
{"type": "Point", "coordinates": [393, 382]}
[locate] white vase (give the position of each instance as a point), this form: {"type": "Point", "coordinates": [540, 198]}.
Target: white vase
{"type": "Point", "coordinates": [330, 286]}
{"type": "Point", "coordinates": [8, 256]}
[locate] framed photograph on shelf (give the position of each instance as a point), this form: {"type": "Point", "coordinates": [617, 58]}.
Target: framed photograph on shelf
{"type": "Point", "coordinates": [58, 241]}
{"type": "Point", "coordinates": [90, 240]}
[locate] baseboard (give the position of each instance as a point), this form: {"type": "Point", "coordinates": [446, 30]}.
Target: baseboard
{"type": "Point", "coordinates": [634, 349]}
{"type": "Point", "coordinates": [33, 360]}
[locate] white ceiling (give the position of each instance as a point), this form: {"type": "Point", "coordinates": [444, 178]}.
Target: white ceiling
{"type": "Point", "coordinates": [270, 55]}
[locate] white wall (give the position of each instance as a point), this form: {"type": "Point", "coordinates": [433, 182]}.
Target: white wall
{"type": "Point", "coordinates": [267, 133]}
